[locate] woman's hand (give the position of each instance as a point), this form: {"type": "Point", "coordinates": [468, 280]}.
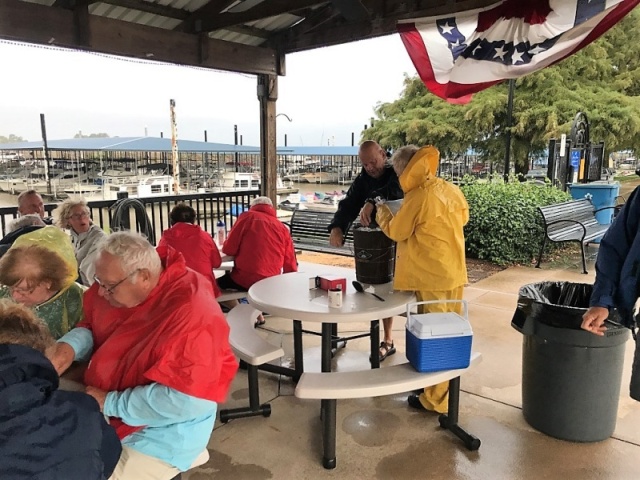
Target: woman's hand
{"type": "Point", "coordinates": [593, 319]}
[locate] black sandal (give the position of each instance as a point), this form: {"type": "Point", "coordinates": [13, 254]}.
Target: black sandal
{"type": "Point", "coordinates": [388, 349]}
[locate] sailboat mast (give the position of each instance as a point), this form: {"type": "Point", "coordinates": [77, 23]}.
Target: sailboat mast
{"type": "Point", "coordinates": [174, 146]}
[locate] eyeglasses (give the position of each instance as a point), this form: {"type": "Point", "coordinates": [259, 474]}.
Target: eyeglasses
{"type": "Point", "coordinates": [110, 289]}
{"type": "Point", "coordinates": [22, 290]}
{"type": "Point", "coordinates": [80, 216]}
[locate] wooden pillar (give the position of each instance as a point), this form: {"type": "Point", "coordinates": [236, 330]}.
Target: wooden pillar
{"type": "Point", "coordinates": [267, 95]}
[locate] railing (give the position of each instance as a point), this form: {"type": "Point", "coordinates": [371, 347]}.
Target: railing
{"type": "Point", "coordinates": [210, 207]}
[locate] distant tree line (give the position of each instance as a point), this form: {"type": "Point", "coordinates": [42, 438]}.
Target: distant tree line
{"type": "Point", "coordinates": [11, 139]}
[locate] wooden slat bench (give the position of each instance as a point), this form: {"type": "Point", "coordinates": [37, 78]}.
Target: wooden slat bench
{"type": "Point", "coordinates": [378, 382]}
{"type": "Point", "coordinates": [309, 232]}
{"type": "Point", "coordinates": [254, 350]}
{"type": "Point", "coordinates": [571, 221]}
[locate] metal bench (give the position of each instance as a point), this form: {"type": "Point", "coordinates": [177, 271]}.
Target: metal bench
{"type": "Point", "coordinates": [378, 382]}
{"type": "Point", "coordinates": [309, 232]}
{"type": "Point", "coordinates": [571, 221]}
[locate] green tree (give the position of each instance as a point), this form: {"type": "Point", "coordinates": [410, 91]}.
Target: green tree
{"type": "Point", "coordinates": [91, 135]}
{"type": "Point", "coordinates": [602, 80]}
{"type": "Point", "coordinates": [11, 139]}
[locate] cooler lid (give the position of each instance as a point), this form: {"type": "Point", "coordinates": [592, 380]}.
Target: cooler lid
{"type": "Point", "coordinates": [449, 324]}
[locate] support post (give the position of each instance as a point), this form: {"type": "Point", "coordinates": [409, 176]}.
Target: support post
{"type": "Point", "coordinates": [268, 95]}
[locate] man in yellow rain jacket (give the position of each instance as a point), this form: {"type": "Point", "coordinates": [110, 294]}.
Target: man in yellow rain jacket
{"type": "Point", "coordinates": [430, 250]}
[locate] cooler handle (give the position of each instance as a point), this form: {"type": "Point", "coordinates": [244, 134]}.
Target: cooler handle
{"type": "Point", "coordinates": [465, 307]}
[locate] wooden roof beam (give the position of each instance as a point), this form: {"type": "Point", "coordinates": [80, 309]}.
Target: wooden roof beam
{"type": "Point", "coordinates": [115, 37]}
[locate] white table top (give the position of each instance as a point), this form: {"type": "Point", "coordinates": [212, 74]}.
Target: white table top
{"type": "Point", "coordinates": [289, 296]}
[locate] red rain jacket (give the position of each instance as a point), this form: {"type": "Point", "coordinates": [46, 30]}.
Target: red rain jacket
{"type": "Point", "coordinates": [261, 245]}
{"type": "Point", "coordinates": [177, 337]}
{"type": "Point", "coordinates": [197, 246]}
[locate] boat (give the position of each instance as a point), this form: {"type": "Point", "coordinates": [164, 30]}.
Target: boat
{"type": "Point", "coordinates": [320, 176]}
{"type": "Point", "coordinates": [233, 181]}
{"type": "Point", "coordinates": [309, 202]}
{"type": "Point", "coordinates": [138, 187]}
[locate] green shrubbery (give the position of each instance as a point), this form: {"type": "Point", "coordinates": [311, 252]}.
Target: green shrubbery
{"type": "Point", "coordinates": [505, 225]}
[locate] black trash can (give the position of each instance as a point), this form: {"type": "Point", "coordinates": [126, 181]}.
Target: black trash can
{"type": "Point", "coordinates": [570, 377]}
{"type": "Point", "coordinates": [375, 255]}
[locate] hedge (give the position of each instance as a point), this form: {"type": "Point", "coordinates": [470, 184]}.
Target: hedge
{"type": "Point", "coordinates": [504, 225]}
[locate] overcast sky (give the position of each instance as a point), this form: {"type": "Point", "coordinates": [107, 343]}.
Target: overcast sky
{"type": "Point", "coordinates": [328, 93]}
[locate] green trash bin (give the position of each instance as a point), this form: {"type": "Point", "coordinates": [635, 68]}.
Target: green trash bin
{"type": "Point", "coordinates": [570, 378]}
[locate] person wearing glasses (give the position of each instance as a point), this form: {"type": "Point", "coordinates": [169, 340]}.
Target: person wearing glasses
{"type": "Point", "coordinates": [160, 360]}
{"type": "Point", "coordinates": [39, 271]}
{"type": "Point", "coordinates": [73, 214]}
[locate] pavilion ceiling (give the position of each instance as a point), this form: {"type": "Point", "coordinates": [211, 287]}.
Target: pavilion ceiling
{"type": "Point", "coordinates": [250, 36]}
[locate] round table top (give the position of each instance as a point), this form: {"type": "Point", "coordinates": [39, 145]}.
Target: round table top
{"type": "Point", "coordinates": [288, 295]}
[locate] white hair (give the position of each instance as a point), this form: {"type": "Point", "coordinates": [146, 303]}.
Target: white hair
{"type": "Point", "coordinates": [402, 156]}
{"type": "Point", "coordinates": [25, 221]}
{"type": "Point", "coordinates": [134, 251]}
{"type": "Point", "coordinates": [262, 201]}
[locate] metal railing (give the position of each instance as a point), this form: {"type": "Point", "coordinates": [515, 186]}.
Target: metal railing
{"type": "Point", "coordinates": [210, 207]}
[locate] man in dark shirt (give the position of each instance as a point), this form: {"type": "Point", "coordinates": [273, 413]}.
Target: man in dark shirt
{"type": "Point", "coordinates": [377, 179]}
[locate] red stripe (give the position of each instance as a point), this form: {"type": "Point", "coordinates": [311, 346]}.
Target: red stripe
{"type": "Point", "coordinates": [461, 93]}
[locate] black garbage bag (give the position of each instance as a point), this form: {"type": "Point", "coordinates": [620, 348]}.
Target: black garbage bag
{"type": "Point", "coordinates": [557, 304]}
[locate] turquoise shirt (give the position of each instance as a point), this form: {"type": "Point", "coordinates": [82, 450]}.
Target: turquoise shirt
{"type": "Point", "coordinates": [177, 427]}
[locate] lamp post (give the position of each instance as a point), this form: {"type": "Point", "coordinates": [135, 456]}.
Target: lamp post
{"type": "Point", "coordinates": [290, 120]}
{"type": "Point", "coordinates": [285, 136]}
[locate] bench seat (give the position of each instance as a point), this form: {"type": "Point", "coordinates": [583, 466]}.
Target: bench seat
{"type": "Point", "coordinates": [309, 232]}
{"type": "Point", "coordinates": [227, 295]}
{"type": "Point", "coordinates": [332, 386]}
{"type": "Point", "coordinates": [571, 221]}
{"type": "Point", "coordinates": [254, 350]}
{"type": "Point", "coordinates": [374, 382]}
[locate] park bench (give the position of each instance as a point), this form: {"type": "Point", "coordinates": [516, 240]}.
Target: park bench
{"type": "Point", "coordinates": [309, 232]}
{"type": "Point", "coordinates": [254, 350]}
{"type": "Point", "coordinates": [377, 382]}
{"type": "Point", "coordinates": [571, 221]}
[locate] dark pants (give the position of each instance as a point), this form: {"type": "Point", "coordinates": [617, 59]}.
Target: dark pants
{"type": "Point", "coordinates": [227, 283]}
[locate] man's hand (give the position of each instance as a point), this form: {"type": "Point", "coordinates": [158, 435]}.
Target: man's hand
{"type": "Point", "coordinates": [593, 319]}
{"type": "Point", "coordinates": [337, 238]}
{"type": "Point", "coordinates": [62, 356]}
{"type": "Point", "coordinates": [365, 214]}
{"type": "Point", "coordinates": [99, 395]}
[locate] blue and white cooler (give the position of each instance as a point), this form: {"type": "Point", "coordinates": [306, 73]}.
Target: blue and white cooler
{"type": "Point", "coordinates": [438, 341]}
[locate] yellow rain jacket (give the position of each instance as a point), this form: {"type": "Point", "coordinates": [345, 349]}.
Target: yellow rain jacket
{"type": "Point", "coordinates": [430, 254]}
{"type": "Point", "coordinates": [64, 310]}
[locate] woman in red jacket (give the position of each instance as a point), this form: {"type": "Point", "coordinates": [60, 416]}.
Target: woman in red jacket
{"type": "Point", "coordinates": [196, 245]}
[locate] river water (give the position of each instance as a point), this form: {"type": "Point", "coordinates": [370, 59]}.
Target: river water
{"type": "Point", "coordinates": [307, 189]}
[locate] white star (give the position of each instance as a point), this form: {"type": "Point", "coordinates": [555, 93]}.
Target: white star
{"type": "Point", "coordinates": [537, 49]}
{"type": "Point", "coordinates": [476, 49]}
{"type": "Point", "coordinates": [446, 28]}
{"type": "Point", "coordinates": [516, 57]}
{"type": "Point", "coordinates": [455, 44]}
{"type": "Point", "coordinates": [500, 52]}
